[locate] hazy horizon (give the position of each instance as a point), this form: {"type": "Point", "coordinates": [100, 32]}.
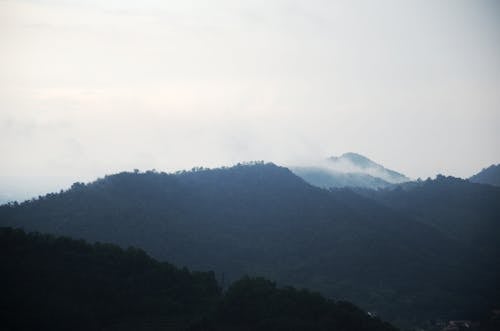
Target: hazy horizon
{"type": "Point", "coordinates": [25, 187]}
{"type": "Point", "coordinates": [89, 88]}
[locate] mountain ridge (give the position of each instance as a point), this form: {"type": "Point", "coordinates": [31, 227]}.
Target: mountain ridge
{"type": "Point", "coordinates": [489, 175]}
{"type": "Point", "coordinates": [261, 219]}
{"type": "Point", "coordinates": [82, 286]}
{"type": "Point", "coordinates": [349, 170]}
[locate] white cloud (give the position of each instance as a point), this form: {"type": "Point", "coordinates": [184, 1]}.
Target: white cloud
{"type": "Point", "coordinates": [92, 87]}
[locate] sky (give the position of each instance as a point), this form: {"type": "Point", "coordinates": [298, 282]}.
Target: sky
{"type": "Point", "coordinates": [89, 88]}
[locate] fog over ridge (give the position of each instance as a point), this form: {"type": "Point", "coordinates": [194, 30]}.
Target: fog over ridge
{"type": "Point", "coordinates": [89, 88]}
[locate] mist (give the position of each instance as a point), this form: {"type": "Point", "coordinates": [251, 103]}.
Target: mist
{"type": "Point", "coordinates": [92, 88]}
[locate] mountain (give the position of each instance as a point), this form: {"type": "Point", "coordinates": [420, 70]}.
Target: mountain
{"type": "Point", "coordinates": [326, 178]}
{"type": "Point", "coordinates": [490, 175]}
{"type": "Point", "coordinates": [463, 211]}
{"type": "Point", "coordinates": [262, 220]}
{"type": "Point", "coordinates": [349, 170]}
{"type": "Point", "coordinates": [359, 163]}
{"type": "Point", "coordinates": [56, 283]}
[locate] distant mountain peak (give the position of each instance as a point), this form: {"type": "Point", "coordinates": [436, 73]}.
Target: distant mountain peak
{"type": "Point", "coordinates": [350, 170]}
{"type": "Point", "coordinates": [357, 159]}
{"type": "Point", "coordinates": [490, 175]}
{"type": "Point", "coordinates": [356, 163]}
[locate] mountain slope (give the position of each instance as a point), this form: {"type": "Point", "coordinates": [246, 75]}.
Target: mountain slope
{"type": "Point", "coordinates": [490, 175]}
{"type": "Point", "coordinates": [463, 211]}
{"type": "Point", "coordinates": [55, 283]}
{"type": "Point", "coordinates": [359, 163]}
{"type": "Point", "coordinates": [325, 178]}
{"type": "Point", "coordinates": [349, 170]}
{"type": "Point", "coordinates": [263, 220]}
{"type": "Point", "coordinates": [51, 283]}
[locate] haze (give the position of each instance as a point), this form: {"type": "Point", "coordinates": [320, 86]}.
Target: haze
{"type": "Point", "coordinates": [89, 88]}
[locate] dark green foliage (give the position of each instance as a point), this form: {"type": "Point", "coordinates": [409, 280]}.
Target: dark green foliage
{"type": "Point", "coordinates": [467, 214]}
{"type": "Point", "coordinates": [257, 303]}
{"type": "Point", "coordinates": [55, 283]}
{"type": "Point", "coordinates": [463, 211]}
{"type": "Point", "coordinates": [262, 220]}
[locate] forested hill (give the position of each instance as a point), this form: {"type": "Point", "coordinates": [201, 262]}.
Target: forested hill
{"type": "Point", "coordinates": [261, 219]}
{"type": "Point", "coordinates": [350, 170]}
{"type": "Point", "coordinates": [55, 283]}
{"type": "Point", "coordinates": [490, 175]}
{"type": "Point", "coordinates": [463, 211]}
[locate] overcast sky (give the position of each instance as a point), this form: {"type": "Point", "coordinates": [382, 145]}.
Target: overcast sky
{"type": "Point", "coordinates": [89, 88]}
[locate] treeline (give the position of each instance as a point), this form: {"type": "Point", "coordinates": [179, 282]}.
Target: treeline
{"type": "Point", "coordinates": [57, 283]}
{"type": "Point", "coordinates": [419, 252]}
